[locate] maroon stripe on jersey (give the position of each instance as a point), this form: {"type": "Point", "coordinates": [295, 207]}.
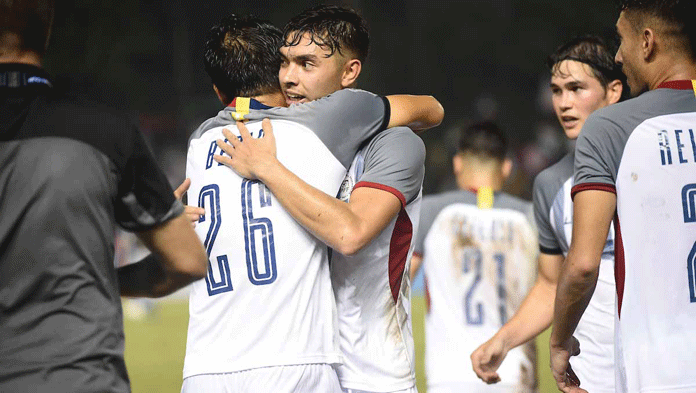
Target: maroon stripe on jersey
{"type": "Point", "coordinates": [427, 295]}
{"type": "Point", "coordinates": [592, 186]}
{"type": "Point", "coordinates": [678, 85]}
{"type": "Point", "coordinates": [398, 251]}
{"type": "Point", "coordinates": [619, 263]}
{"type": "Point", "coordinates": [382, 187]}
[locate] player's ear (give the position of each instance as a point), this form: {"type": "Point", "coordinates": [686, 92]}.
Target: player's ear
{"type": "Point", "coordinates": [506, 168]}
{"type": "Point", "coordinates": [221, 96]}
{"type": "Point", "coordinates": [457, 164]}
{"type": "Point", "coordinates": [648, 43]}
{"type": "Point", "coordinates": [614, 91]}
{"type": "Point", "coordinates": [351, 71]}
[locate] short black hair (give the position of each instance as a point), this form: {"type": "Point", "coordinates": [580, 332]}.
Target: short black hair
{"type": "Point", "coordinates": [334, 27]}
{"type": "Point", "coordinates": [593, 51]}
{"type": "Point", "coordinates": [29, 21]}
{"type": "Point", "coordinates": [678, 13]}
{"type": "Point", "coordinates": [485, 140]}
{"type": "Point", "coordinates": [242, 56]}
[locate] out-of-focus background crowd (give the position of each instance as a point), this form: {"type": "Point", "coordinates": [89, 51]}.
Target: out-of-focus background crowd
{"type": "Point", "coordinates": [483, 59]}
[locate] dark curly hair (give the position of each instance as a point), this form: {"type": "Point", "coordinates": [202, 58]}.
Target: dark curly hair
{"type": "Point", "coordinates": [336, 28]}
{"type": "Point", "coordinates": [677, 13]}
{"type": "Point", "coordinates": [593, 51]}
{"type": "Point", "coordinates": [242, 56]}
{"type": "Point", "coordinates": [485, 140]}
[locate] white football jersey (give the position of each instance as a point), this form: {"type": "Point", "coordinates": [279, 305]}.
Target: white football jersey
{"type": "Point", "coordinates": [267, 298]}
{"type": "Point", "coordinates": [553, 210]}
{"type": "Point", "coordinates": [372, 287]}
{"type": "Point", "coordinates": [479, 264]}
{"type": "Point", "coordinates": [644, 150]}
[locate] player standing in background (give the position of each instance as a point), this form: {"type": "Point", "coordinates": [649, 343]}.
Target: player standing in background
{"type": "Point", "coordinates": [374, 228]}
{"type": "Point", "coordinates": [70, 171]}
{"type": "Point", "coordinates": [269, 323]}
{"type": "Point", "coordinates": [635, 162]}
{"type": "Point", "coordinates": [584, 78]}
{"type": "Point", "coordinates": [477, 245]}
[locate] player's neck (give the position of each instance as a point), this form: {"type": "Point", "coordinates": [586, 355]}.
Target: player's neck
{"type": "Point", "coordinates": [271, 99]}
{"type": "Point", "coordinates": [21, 57]}
{"type": "Point", "coordinates": [474, 180]}
{"type": "Point", "coordinates": [681, 69]}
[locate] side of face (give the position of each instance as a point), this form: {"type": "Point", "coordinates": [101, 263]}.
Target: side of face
{"type": "Point", "coordinates": [629, 54]}
{"type": "Point", "coordinates": [576, 93]}
{"type": "Point", "coordinates": [309, 71]}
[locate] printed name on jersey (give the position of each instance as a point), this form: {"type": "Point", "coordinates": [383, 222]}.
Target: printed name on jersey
{"type": "Point", "coordinates": [684, 142]}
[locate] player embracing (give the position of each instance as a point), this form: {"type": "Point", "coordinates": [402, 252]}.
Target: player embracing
{"type": "Point", "coordinates": [372, 228]}
{"type": "Point", "coordinates": [635, 165]}
{"type": "Point", "coordinates": [478, 248]}
{"type": "Point", "coordinates": [584, 78]}
{"type": "Point", "coordinates": [264, 318]}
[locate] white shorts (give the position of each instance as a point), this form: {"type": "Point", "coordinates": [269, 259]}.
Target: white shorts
{"type": "Point", "coordinates": [411, 390]}
{"type": "Point", "coordinates": [303, 378]}
{"type": "Point", "coordinates": [472, 387]}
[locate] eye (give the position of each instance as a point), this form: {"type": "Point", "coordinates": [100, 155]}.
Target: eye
{"type": "Point", "coordinates": [555, 91]}
{"type": "Point", "coordinates": [307, 64]}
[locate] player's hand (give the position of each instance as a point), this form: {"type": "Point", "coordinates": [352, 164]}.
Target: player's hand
{"type": "Point", "coordinates": [193, 213]}
{"type": "Point", "coordinates": [486, 359]}
{"type": "Point", "coordinates": [250, 157]}
{"type": "Point", "coordinates": [563, 373]}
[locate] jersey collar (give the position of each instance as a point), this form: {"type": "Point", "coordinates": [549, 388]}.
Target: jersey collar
{"type": "Point", "coordinates": [678, 85]}
{"type": "Point", "coordinates": [242, 105]}
{"type": "Point", "coordinates": [18, 76]}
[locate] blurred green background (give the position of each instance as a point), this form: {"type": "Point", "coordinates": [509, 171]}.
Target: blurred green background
{"type": "Point", "coordinates": [156, 344]}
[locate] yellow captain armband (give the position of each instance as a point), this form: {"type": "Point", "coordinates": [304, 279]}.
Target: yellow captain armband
{"type": "Point", "coordinates": [241, 108]}
{"type": "Point", "coordinates": [693, 83]}
{"type": "Point", "coordinates": [484, 198]}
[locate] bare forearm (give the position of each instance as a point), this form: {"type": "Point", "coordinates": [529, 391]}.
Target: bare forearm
{"type": "Point", "coordinates": [533, 317]}
{"type": "Point", "coordinates": [326, 217]}
{"type": "Point", "coordinates": [148, 278]}
{"type": "Point", "coordinates": [575, 289]}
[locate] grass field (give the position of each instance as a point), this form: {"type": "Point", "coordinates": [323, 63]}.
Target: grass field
{"type": "Point", "coordinates": [155, 349]}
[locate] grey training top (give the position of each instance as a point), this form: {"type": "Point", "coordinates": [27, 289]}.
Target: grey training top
{"type": "Point", "coordinates": [69, 171]}
{"type": "Point", "coordinates": [392, 161]}
{"type": "Point", "coordinates": [342, 120]}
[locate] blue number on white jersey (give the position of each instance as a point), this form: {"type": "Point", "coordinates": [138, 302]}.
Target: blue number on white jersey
{"type": "Point", "coordinates": [211, 193]}
{"type": "Point", "coordinates": [258, 226]}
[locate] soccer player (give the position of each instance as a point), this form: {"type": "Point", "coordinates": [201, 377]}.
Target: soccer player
{"type": "Point", "coordinates": [634, 163]}
{"type": "Point", "coordinates": [69, 172]}
{"type": "Point", "coordinates": [584, 78]}
{"type": "Point", "coordinates": [478, 246]}
{"type": "Point", "coordinates": [373, 232]}
{"type": "Point", "coordinates": [264, 318]}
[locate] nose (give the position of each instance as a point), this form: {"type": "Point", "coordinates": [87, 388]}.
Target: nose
{"type": "Point", "coordinates": [618, 59]}
{"type": "Point", "coordinates": [566, 100]}
{"type": "Point", "coordinates": [289, 74]}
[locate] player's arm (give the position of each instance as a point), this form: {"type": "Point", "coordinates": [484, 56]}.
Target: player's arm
{"type": "Point", "coordinates": [346, 227]}
{"type": "Point", "coordinates": [593, 212]}
{"type": "Point", "coordinates": [415, 112]}
{"type": "Point", "coordinates": [177, 259]}
{"type": "Point", "coordinates": [533, 317]}
{"type": "Point", "coordinates": [416, 262]}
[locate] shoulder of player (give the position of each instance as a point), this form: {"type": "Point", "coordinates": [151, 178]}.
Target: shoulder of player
{"type": "Point", "coordinates": [626, 115]}
{"type": "Point", "coordinates": [444, 199]}
{"type": "Point", "coordinates": [553, 177]}
{"type": "Point", "coordinates": [507, 201]}
{"type": "Point", "coordinates": [399, 142]}
{"type": "Point", "coordinates": [104, 128]}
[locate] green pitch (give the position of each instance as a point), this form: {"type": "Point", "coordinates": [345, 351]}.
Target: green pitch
{"type": "Point", "coordinates": [155, 349]}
